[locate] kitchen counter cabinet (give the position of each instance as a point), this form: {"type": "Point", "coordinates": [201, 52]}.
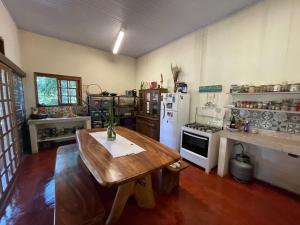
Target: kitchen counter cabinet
{"type": "Point", "coordinates": [148, 126]}
{"type": "Point", "coordinates": [281, 142]}
{"type": "Point", "coordinates": [35, 124]}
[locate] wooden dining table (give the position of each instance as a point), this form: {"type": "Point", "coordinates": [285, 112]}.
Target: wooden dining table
{"type": "Point", "coordinates": [131, 173]}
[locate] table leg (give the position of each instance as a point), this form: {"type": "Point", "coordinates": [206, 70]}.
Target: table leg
{"type": "Point", "coordinates": [123, 193]}
{"type": "Point", "coordinates": [142, 191]}
{"type": "Point", "coordinates": [224, 156]}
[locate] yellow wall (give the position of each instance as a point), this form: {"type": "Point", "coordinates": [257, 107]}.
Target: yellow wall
{"type": "Point", "coordinates": [258, 45]}
{"type": "Point", "coordinates": [9, 32]}
{"type": "Point", "coordinates": [49, 55]}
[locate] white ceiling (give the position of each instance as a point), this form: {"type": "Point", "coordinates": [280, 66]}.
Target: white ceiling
{"type": "Point", "coordinates": [149, 24]}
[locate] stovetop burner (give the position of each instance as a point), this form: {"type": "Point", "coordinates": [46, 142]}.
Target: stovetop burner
{"type": "Point", "coordinates": [202, 127]}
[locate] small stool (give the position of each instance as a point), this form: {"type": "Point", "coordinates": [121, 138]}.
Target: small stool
{"type": "Point", "coordinates": [170, 177]}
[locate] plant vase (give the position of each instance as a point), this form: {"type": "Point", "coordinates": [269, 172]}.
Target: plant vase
{"type": "Point", "coordinates": [111, 133]}
{"type": "Point", "coordinates": [111, 125]}
{"type": "Point", "coordinates": [175, 71]}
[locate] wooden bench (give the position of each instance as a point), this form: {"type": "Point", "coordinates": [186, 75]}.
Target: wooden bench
{"type": "Point", "coordinates": [77, 200]}
{"type": "Point", "coordinates": [170, 177]}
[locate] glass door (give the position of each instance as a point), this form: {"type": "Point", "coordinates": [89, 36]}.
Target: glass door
{"type": "Point", "coordinates": [155, 103]}
{"type": "Point", "coordinates": [9, 153]}
{"type": "Point", "coordinates": [148, 102]}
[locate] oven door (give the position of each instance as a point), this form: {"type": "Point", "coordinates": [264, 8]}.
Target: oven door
{"type": "Point", "coordinates": [195, 143]}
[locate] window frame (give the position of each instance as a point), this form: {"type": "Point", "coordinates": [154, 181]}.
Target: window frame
{"type": "Point", "coordinates": [2, 47]}
{"type": "Point", "coordinates": [58, 79]}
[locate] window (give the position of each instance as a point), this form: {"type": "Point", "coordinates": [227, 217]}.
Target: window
{"type": "Point", "coordinates": [55, 90]}
{"type": "Point", "coordinates": [2, 50]}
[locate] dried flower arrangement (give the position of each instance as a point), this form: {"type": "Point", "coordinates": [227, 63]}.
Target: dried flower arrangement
{"type": "Point", "coordinates": [175, 71]}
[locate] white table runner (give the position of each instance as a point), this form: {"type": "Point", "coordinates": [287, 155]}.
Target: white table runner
{"type": "Point", "coordinates": [120, 147]}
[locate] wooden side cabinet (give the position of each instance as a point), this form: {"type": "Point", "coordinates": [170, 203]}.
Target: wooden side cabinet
{"type": "Point", "coordinates": [148, 126]}
{"type": "Point", "coordinates": [148, 118]}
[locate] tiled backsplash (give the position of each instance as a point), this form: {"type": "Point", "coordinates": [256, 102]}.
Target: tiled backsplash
{"type": "Point", "coordinates": [268, 120]}
{"type": "Point", "coordinates": [60, 111]}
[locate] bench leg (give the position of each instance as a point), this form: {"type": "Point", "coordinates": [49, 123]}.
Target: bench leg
{"type": "Point", "coordinates": [169, 180]}
{"type": "Point", "coordinates": [142, 191]}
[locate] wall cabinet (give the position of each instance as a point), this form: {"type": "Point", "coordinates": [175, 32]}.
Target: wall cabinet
{"type": "Point", "coordinates": [148, 118]}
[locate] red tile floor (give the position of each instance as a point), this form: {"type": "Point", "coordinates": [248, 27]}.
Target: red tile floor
{"type": "Point", "coordinates": [201, 200]}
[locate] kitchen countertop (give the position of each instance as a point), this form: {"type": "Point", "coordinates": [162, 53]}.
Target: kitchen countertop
{"type": "Point", "coordinates": [34, 125]}
{"type": "Point", "coordinates": [60, 119]}
{"type": "Point", "coordinates": [282, 142]}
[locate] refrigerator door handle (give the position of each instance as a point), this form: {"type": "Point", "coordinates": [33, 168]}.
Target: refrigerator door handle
{"type": "Point", "coordinates": [164, 110]}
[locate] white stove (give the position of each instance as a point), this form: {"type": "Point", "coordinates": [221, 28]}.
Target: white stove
{"type": "Point", "coordinates": [200, 145]}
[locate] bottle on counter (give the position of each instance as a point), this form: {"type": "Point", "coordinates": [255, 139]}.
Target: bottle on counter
{"type": "Point", "coordinates": [232, 122]}
{"type": "Point", "coordinates": [247, 126]}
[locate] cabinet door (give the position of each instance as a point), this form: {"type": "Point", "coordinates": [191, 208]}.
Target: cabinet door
{"type": "Point", "coordinates": [148, 127]}
{"type": "Point", "coordinates": [141, 102]}
{"type": "Point", "coordinates": [148, 103]}
{"type": "Point", "coordinates": [9, 151]}
{"type": "Point", "coordinates": [155, 96]}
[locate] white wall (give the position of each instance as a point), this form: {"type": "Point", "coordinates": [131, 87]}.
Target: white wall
{"type": "Point", "coordinates": [44, 54]}
{"type": "Point", "coordinates": [9, 32]}
{"type": "Point", "coordinates": [259, 45]}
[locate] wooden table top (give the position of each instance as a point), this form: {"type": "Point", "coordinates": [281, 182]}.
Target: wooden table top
{"type": "Point", "coordinates": [276, 141]}
{"type": "Point", "coordinates": [109, 171]}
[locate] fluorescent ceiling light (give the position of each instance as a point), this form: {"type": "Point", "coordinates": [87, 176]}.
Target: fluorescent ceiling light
{"type": "Point", "coordinates": [118, 41]}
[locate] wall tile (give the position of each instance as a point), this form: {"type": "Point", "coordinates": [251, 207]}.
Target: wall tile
{"type": "Point", "coordinates": [268, 120]}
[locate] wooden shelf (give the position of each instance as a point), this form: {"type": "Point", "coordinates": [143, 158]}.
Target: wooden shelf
{"type": "Point", "coordinates": [126, 96]}
{"type": "Point", "coordinates": [264, 110]}
{"type": "Point", "coordinates": [124, 106]}
{"type": "Point", "coordinates": [58, 138]}
{"type": "Point", "coordinates": [123, 116]}
{"type": "Point", "coordinates": [266, 93]}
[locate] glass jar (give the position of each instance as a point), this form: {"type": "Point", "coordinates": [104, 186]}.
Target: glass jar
{"type": "Point", "coordinates": [248, 105]}
{"type": "Point", "coordinates": [294, 107]}
{"type": "Point", "coordinates": [259, 105]}
{"type": "Point", "coordinates": [277, 106]}
{"type": "Point", "coordinates": [270, 88]}
{"type": "Point", "coordinates": [285, 106]}
{"type": "Point", "coordinates": [277, 88]}
{"type": "Point", "coordinates": [265, 105]}
{"type": "Point", "coordinates": [251, 89]}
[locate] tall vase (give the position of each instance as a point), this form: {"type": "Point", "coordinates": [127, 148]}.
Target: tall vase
{"type": "Point", "coordinates": [111, 126]}
{"type": "Point", "coordinates": [175, 86]}
{"type": "Point", "coordinates": [111, 133]}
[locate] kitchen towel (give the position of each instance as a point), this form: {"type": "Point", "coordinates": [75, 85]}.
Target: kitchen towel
{"type": "Point", "coordinates": [119, 147]}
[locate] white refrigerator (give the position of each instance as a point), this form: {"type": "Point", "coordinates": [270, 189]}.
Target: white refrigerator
{"type": "Point", "coordinates": [175, 110]}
